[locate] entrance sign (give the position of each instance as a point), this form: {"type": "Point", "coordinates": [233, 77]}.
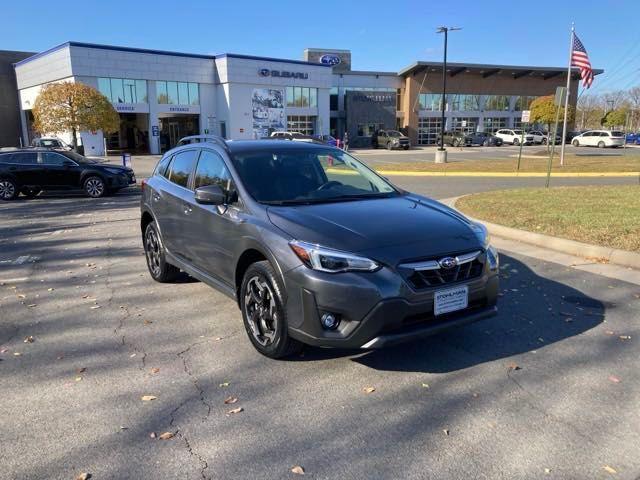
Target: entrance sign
{"type": "Point", "coordinates": [526, 115]}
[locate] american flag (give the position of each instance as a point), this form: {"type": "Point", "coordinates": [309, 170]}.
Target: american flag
{"type": "Point", "coordinates": [580, 59]}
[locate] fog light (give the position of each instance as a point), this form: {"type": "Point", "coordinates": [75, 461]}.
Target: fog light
{"type": "Point", "coordinates": [329, 321]}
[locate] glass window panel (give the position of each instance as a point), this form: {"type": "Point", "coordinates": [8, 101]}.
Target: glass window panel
{"type": "Point", "coordinates": [428, 130]}
{"type": "Point", "coordinates": [305, 96]}
{"type": "Point", "coordinates": [297, 94]}
{"type": "Point", "coordinates": [181, 167]}
{"type": "Point", "coordinates": [141, 91]}
{"type": "Point", "coordinates": [313, 97]}
{"type": "Point", "coordinates": [172, 93]}
{"type": "Point", "coordinates": [194, 94]}
{"type": "Point", "coordinates": [104, 86]}
{"type": "Point", "coordinates": [161, 90]}
{"type": "Point", "coordinates": [497, 102]}
{"type": "Point", "coordinates": [211, 170]}
{"type": "Point", "coordinates": [290, 98]}
{"type": "Point", "coordinates": [129, 90]}
{"type": "Point", "coordinates": [183, 93]}
{"type": "Point", "coordinates": [117, 90]}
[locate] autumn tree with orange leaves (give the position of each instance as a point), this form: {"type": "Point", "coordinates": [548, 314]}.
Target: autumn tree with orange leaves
{"type": "Point", "coordinates": [67, 106]}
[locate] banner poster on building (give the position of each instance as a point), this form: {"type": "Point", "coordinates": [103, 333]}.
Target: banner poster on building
{"type": "Point", "coordinates": [267, 105]}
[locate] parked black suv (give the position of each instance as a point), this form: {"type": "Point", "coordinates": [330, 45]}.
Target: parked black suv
{"type": "Point", "coordinates": [29, 171]}
{"type": "Point", "coordinates": [390, 139]}
{"type": "Point", "coordinates": [315, 247]}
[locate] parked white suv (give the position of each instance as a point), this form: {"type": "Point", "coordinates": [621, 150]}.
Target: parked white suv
{"type": "Point", "coordinates": [513, 136]}
{"type": "Point", "coordinates": [599, 138]}
{"type": "Point", "coordinates": [295, 136]}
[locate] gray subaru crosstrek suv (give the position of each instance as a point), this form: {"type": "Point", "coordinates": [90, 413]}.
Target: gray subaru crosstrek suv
{"type": "Point", "coordinates": [315, 247]}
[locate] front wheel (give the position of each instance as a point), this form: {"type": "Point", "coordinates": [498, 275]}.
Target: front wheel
{"type": "Point", "coordinates": [389, 146]}
{"type": "Point", "coordinates": [516, 141]}
{"type": "Point", "coordinates": [601, 145]}
{"type": "Point", "coordinates": [544, 141]}
{"type": "Point", "coordinates": [262, 300]}
{"type": "Point", "coordinates": [575, 143]}
{"type": "Point", "coordinates": [456, 143]}
{"type": "Point", "coordinates": [8, 189]}
{"type": "Point", "coordinates": [160, 270]}
{"type": "Point", "coordinates": [94, 187]}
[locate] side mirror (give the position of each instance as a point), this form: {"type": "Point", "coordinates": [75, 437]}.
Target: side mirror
{"type": "Point", "coordinates": [210, 195]}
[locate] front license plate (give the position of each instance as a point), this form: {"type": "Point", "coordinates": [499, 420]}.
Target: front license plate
{"type": "Point", "coordinates": [450, 300]}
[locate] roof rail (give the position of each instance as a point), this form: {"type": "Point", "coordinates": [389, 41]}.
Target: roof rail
{"type": "Point", "coordinates": [218, 140]}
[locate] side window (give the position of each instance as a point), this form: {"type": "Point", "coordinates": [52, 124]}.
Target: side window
{"type": "Point", "coordinates": [51, 158]}
{"type": "Point", "coordinates": [161, 168]}
{"type": "Point", "coordinates": [211, 170]}
{"type": "Point", "coordinates": [23, 158]}
{"type": "Point", "coordinates": [182, 166]}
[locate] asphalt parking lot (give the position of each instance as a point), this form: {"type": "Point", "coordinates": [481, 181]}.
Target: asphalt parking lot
{"type": "Point", "coordinates": [547, 389]}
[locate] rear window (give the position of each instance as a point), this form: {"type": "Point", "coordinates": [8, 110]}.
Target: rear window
{"type": "Point", "coordinates": [617, 133]}
{"type": "Point", "coordinates": [23, 158]}
{"type": "Point", "coordinates": [161, 168]}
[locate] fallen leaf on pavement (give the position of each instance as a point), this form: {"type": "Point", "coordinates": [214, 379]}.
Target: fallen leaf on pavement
{"type": "Point", "coordinates": [29, 339]}
{"type": "Point", "coordinates": [547, 470]}
{"type": "Point", "coordinates": [16, 354]}
{"type": "Point", "coordinates": [78, 379]}
{"type": "Point", "coordinates": [609, 332]}
{"type": "Point", "coordinates": [513, 367]}
{"type": "Point", "coordinates": [95, 306]}
{"type": "Point", "coordinates": [369, 389]}
{"type": "Point", "coordinates": [235, 410]}
{"type": "Point", "coordinates": [4, 350]}
{"type": "Point", "coordinates": [224, 384]}
{"type": "Point", "coordinates": [50, 289]}
{"type": "Point", "coordinates": [445, 431]}
{"type": "Point", "coordinates": [155, 370]}
{"type": "Point", "coordinates": [147, 322]}
{"type": "Point", "coordinates": [83, 476]}
{"type": "Point", "coordinates": [20, 295]}
{"type": "Point", "coordinates": [625, 337]}
{"type": "Point", "coordinates": [425, 385]}
{"type": "Point", "coordinates": [609, 469]}
{"type": "Point", "coordinates": [614, 379]}
{"type": "Point", "coordinates": [230, 400]}
{"type": "Point", "coordinates": [298, 470]}
{"type": "Point", "coordinates": [148, 398]}
{"type": "Point", "coordinates": [152, 435]}
{"type": "Point", "coordinates": [81, 370]}
{"type": "Point", "coordinates": [166, 436]}
{"type": "Point", "coordinates": [31, 305]}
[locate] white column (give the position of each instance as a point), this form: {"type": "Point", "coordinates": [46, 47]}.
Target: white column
{"type": "Point", "coordinates": [154, 141]}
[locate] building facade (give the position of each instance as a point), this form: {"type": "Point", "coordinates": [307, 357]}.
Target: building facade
{"type": "Point", "coordinates": [163, 96]}
{"type": "Point", "coordinates": [10, 130]}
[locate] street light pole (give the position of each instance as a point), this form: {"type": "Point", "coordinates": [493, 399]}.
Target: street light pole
{"type": "Point", "coordinates": [441, 153]}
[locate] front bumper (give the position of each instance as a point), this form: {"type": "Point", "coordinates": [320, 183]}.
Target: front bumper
{"type": "Point", "coordinates": [376, 309]}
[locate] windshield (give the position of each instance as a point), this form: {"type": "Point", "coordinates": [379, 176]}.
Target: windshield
{"type": "Point", "coordinates": [76, 157]}
{"type": "Point", "coordinates": [308, 176]}
{"type": "Point", "coordinates": [394, 133]}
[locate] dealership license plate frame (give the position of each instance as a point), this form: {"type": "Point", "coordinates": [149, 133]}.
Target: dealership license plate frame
{"type": "Point", "coordinates": [457, 298]}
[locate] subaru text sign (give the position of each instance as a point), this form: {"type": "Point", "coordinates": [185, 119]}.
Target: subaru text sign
{"type": "Point", "coordinates": [330, 59]}
{"type": "Point", "coordinates": [265, 72]}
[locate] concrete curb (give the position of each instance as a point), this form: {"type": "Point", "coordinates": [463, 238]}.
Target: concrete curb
{"type": "Point", "coordinates": [408, 173]}
{"type": "Point", "coordinates": [612, 255]}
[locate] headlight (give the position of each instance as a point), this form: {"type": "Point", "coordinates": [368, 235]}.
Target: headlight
{"type": "Point", "coordinates": [115, 171]}
{"type": "Point", "coordinates": [329, 260]}
{"type": "Point", "coordinates": [493, 258]}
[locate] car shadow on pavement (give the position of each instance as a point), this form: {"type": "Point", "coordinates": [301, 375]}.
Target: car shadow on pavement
{"type": "Point", "coordinates": [534, 312]}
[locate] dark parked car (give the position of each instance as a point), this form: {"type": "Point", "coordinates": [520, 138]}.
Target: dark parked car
{"type": "Point", "coordinates": [29, 171]}
{"type": "Point", "coordinates": [390, 139]}
{"type": "Point", "coordinates": [326, 139]}
{"type": "Point", "coordinates": [455, 139]}
{"type": "Point", "coordinates": [485, 139]}
{"type": "Point", "coordinates": [315, 247]}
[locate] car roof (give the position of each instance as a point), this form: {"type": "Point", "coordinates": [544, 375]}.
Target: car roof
{"type": "Point", "coordinates": [248, 146]}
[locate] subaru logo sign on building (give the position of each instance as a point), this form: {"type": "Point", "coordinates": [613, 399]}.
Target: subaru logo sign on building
{"type": "Point", "coordinates": [330, 59]}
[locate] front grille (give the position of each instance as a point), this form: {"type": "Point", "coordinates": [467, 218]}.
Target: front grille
{"type": "Point", "coordinates": [436, 276]}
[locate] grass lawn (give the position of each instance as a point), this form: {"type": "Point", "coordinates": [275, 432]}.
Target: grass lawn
{"type": "Point", "coordinates": [602, 215]}
{"type": "Point", "coordinates": [572, 164]}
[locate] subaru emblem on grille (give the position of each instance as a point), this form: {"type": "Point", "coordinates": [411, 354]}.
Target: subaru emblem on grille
{"type": "Point", "coordinates": [448, 262]}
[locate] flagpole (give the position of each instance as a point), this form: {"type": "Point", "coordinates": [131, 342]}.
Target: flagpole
{"type": "Point", "coordinates": [566, 97]}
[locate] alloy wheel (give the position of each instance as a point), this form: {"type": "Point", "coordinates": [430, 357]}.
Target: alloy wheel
{"type": "Point", "coordinates": [7, 189]}
{"type": "Point", "coordinates": [261, 310]}
{"type": "Point", "coordinates": [152, 249]}
{"type": "Point", "coordinates": [94, 187]}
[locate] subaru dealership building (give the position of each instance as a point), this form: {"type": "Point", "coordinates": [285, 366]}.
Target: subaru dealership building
{"type": "Point", "coordinates": [162, 96]}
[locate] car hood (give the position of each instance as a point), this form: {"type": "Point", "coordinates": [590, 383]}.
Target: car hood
{"type": "Point", "coordinates": [388, 230]}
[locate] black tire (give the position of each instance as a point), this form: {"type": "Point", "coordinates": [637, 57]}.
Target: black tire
{"type": "Point", "coordinates": [575, 143]}
{"type": "Point", "coordinates": [389, 147]}
{"type": "Point", "coordinates": [544, 141]}
{"type": "Point", "coordinates": [94, 186]}
{"type": "Point", "coordinates": [8, 189]}
{"type": "Point", "coordinates": [160, 270]}
{"type": "Point", "coordinates": [262, 301]}
{"type": "Point", "coordinates": [31, 192]}
{"type": "Point", "coordinates": [601, 144]}
{"type": "Point", "coordinates": [456, 143]}
{"type": "Point", "coordinates": [485, 143]}
{"type": "Point", "coordinates": [406, 148]}
{"type": "Point", "coordinates": [516, 141]}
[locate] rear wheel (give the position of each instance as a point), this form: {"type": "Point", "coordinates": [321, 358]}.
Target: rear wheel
{"type": "Point", "coordinates": [575, 143]}
{"type": "Point", "coordinates": [516, 141]}
{"type": "Point", "coordinates": [601, 144]}
{"type": "Point", "coordinates": [8, 189]}
{"type": "Point", "coordinates": [262, 300]}
{"type": "Point", "coordinates": [544, 141]}
{"type": "Point", "coordinates": [94, 187]}
{"type": "Point", "coordinates": [456, 143]}
{"type": "Point", "coordinates": [160, 270]}
{"type": "Point", "coordinates": [389, 146]}
{"type": "Point", "coordinates": [31, 192]}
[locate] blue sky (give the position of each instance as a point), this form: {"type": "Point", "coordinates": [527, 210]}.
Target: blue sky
{"type": "Point", "coordinates": [382, 35]}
